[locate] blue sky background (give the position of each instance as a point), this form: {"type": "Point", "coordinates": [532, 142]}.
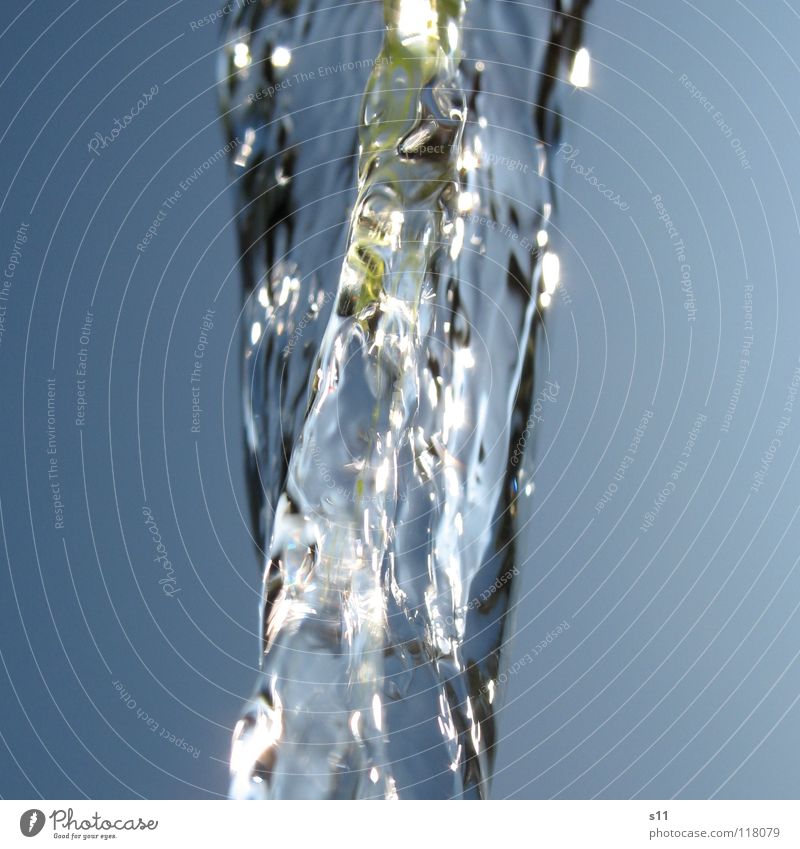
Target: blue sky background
{"type": "Point", "coordinates": [678, 673]}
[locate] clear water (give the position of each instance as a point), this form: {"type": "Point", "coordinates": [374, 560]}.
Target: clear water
{"type": "Point", "coordinates": [393, 218]}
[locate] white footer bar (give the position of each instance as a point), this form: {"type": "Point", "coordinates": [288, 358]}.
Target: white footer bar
{"type": "Point", "coordinates": [412, 825]}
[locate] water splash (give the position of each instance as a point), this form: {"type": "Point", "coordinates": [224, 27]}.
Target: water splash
{"type": "Point", "coordinates": [386, 388]}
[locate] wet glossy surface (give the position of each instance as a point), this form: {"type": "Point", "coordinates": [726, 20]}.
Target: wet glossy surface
{"type": "Point", "coordinates": [389, 375]}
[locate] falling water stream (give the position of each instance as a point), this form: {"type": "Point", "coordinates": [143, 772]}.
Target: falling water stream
{"type": "Point", "coordinates": [395, 187]}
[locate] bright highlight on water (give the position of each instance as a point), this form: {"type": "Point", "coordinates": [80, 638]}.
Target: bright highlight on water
{"type": "Point", "coordinates": [395, 270]}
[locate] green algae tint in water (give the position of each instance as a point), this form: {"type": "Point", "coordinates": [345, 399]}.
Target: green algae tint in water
{"type": "Point", "coordinates": [393, 211]}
